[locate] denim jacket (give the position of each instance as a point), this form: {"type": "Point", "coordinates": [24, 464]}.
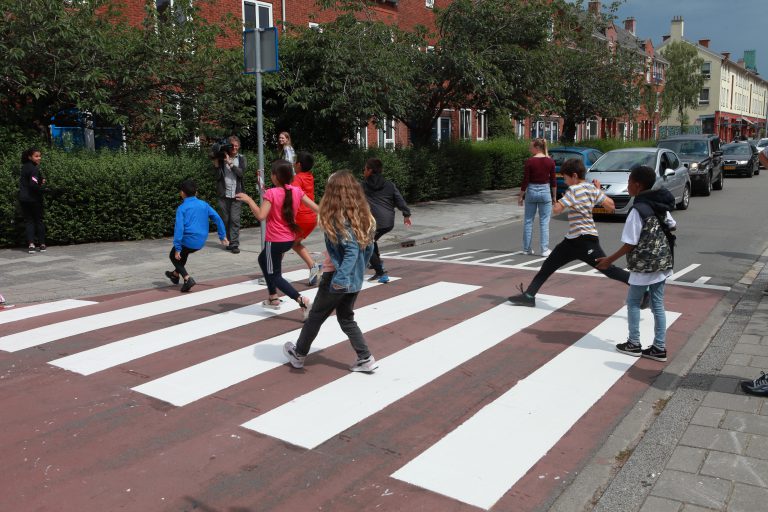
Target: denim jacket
{"type": "Point", "coordinates": [350, 262]}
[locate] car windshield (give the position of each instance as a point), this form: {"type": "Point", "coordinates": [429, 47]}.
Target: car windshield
{"type": "Point", "coordinates": [686, 147]}
{"type": "Point", "coordinates": [762, 143]}
{"type": "Point", "coordinates": [624, 161]}
{"type": "Point", "coordinates": [561, 156]}
{"type": "Point", "coordinates": [737, 150]}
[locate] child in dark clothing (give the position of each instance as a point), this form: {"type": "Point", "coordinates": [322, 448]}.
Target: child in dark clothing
{"type": "Point", "coordinates": [191, 232]}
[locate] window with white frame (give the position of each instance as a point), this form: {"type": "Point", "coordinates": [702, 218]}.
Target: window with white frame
{"type": "Point", "coordinates": [706, 69]}
{"type": "Point", "coordinates": [520, 129]}
{"type": "Point", "coordinates": [387, 134]}
{"type": "Point", "coordinates": [441, 130]}
{"type": "Point", "coordinates": [704, 96]}
{"type": "Point", "coordinates": [482, 125]}
{"type": "Point", "coordinates": [257, 14]}
{"type": "Point", "coordinates": [622, 131]}
{"type": "Point", "coordinates": [465, 124]}
{"type": "Point", "coordinates": [592, 129]}
{"type": "Point", "coordinates": [361, 135]}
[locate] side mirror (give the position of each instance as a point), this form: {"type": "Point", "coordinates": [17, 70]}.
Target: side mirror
{"type": "Point", "coordinates": [669, 172]}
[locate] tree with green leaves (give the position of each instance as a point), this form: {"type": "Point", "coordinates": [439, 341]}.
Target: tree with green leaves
{"type": "Point", "coordinates": [684, 80]}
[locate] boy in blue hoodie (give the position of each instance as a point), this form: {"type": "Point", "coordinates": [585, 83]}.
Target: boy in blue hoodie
{"type": "Point", "coordinates": [191, 232]}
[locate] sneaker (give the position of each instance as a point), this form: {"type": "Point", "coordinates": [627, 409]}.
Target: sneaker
{"type": "Point", "coordinates": [235, 250]}
{"type": "Point", "coordinates": [5, 305]}
{"type": "Point", "coordinates": [523, 299]}
{"type": "Point", "coordinates": [31, 249]}
{"type": "Point", "coordinates": [384, 279]}
{"type": "Point", "coordinates": [42, 248]}
{"type": "Point", "coordinates": [759, 386]}
{"type": "Point", "coordinates": [528, 252]}
{"type": "Point", "coordinates": [631, 348]}
{"type": "Point", "coordinates": [645, 302]}
{"type": "Point", "coordinates": [655, 353]}
{"type": "Point", "coordinates": [297, 361]}
{"type": "Point", "coordinates": [546, 253]}
{"type": "Point", "coordinates": [188, 284]}
{"type": "Point", "coordinates": [271, 303]}
{"type": "Point", "coordinates": [173, 277]}
{"type": "Point", "coordinates": [314, 273]}
{"type": "Point", "coordinates": [368, 365]}
{"type": "Point", "coordinates": [306, 305]}
{"type": "Point", "coordinates": [376, 276]}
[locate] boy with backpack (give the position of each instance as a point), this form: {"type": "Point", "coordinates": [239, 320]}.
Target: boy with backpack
{"type": "Point", "coordinates": [648, 245]}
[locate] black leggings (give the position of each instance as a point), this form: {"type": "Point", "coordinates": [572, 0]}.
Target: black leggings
{"type": "Point", "coordinates": [271, 263]}
{"type": "Point", "coordinates": [585, 248]}
{"type": "Point", "coordinates": [375, 262]}
{"type": "Point", "coordinates": [179, 264]}
{"type": "Point", "coordinates": [33, 221]}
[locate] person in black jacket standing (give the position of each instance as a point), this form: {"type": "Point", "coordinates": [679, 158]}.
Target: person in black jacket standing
{"type": "Point", "coordinates": [383, 197]}
{"type": "Point", "coordinates": [31, 188]}
{"type": "Point", "coordinates": [228, 169]}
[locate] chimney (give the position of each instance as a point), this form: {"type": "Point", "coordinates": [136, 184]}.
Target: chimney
{"type": "Point", "coordinates": [676, 31]}
{"type": "Point", "coordinates": [630, 25]}
{"type": "Point", "coordinates": [594, 6]}
{"type": "Point", "coordinates": [704, 43]}
{"type": "Point", "coordinates": [726, 55]}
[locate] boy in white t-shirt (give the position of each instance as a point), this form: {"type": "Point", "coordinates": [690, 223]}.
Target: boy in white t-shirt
{"type": "Point", "coordinates": [648, 245]}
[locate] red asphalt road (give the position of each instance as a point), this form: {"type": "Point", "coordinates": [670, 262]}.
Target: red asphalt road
{"type": "Point", "coordinates": [77, 443]}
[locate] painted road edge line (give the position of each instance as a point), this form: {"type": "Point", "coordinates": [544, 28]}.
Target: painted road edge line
{"type": "Point", "coordinates": [23, 313]}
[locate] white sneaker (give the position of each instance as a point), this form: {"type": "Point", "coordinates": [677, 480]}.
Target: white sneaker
{"type": "Point", "coordinates": [305, 304]}
{"type": "Point", "coordinates": [297, 361]}
{"type": "Point", "coordinates": [546, 253]}
{"type": "Point", "coordinates": [271, 303]}
{"type": "Point", "coordinates": [314, 272]}
{"type": "Point", "coordinates": [367, 365]}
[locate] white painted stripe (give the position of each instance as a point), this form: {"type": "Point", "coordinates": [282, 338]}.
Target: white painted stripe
{"type": "Point", "coordinates": [573, 267]}
{"type": "Point", "coordinates": [392, 253]}
{"type": "Point", "coordinates": [702, 280]}
{"type": "Point", "coordinates": [130, 349]}
{"type": "Point", "coordinates": [484, 457]}
{"type": "Point", "coordinates": [528, 264]}
{"type": "Point", "coordinates": [502, 262]}
{"type": "Point", "coordinates": [335, 407]}
{"type": "Point", "coordinates": [464, 258]}
{"type": "Point", "coordinates": [196, 382]}
{"type": "Point", "coordinates": [679, 273]}
{"type": "Point", "coordinates": [60, 330]}
{"type": "Point", "coordinates": [22, 313]}
{"type": "Point", "coordinates": [458, 254]}
{"type": "Point", "coordinates": [494, 258]}
{"type": "Point", "coordinates": [409, 254]}
{"type": "Point", "coordinates": [424, 255]}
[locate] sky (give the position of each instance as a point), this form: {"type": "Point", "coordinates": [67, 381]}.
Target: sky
{"type": "Point", "coordinates": [731, 25]}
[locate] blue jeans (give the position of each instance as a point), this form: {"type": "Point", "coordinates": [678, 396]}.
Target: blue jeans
{"type": "Point", "coordinates": [537, 197]}
{"type": "Point", "coordinates": [634, 297]}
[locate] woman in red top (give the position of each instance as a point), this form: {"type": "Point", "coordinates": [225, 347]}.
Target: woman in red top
{"type": "Point", "coordinates": [306, 218]}
{"type": "Point", "coordinates": [538, 191]}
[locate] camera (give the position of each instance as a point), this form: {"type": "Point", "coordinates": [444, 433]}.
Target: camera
{"type": "Point", "coordinates": [219, 150]}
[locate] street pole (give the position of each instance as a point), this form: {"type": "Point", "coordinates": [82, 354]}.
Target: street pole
{"type": "Point", "coordinates": [260, 133]}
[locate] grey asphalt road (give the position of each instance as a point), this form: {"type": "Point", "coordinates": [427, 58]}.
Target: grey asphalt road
{"type": "Point", "coordinates": [719, 237]}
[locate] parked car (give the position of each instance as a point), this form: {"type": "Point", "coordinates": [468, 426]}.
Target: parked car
{"type": "Point", "coordinates": [703, 157]}
{"type": "Point", "coordinates": [761, 144]}
{"type": "Point", "coordinates": [741, 159]}
{"type": "Point", "coordinates": [613, 168]}
{"type": "Point", "coordinates": [560, 154]}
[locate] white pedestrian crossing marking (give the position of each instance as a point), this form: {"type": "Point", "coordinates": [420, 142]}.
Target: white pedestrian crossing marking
{"type": "Point", "coordinates": [494, 258]}
{"type": "Point", "coordinates": [677, 274]}
{"type": "Point", "coordinates": [22, 313]}
{"type": "Point", "coordinates": [196, 382]}
{"type": "Point", "coordinates": [335, 407]}
{"type": "Point", "coordinates": [453, 256]}
{"type": "Point", "coordinates": [129, 349]}
{"type": "Point", "coordinates": [60, 330]}
{"type": "Point", "coordinates": [484, 457]}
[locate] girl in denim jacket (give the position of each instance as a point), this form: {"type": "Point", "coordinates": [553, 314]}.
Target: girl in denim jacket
{"type": "Point", "coordinates": [349, 228]}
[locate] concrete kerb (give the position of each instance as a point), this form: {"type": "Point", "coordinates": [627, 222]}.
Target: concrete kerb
{"type": "Point", "coordinates": [648, 437]}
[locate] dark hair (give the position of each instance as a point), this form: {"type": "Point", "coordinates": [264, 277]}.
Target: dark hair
{"type": "Point", "coordinates": [643, 175]}
{"type": "Point", "coordinates": [574, 166]}
{"type": "Point", "coordinates": [284, 172]}
{"type": "Point", "coordinates": [375, 165]}
{"type": "Point", "coordinates": [306, 160]}
{"type": "Point", "coordinates": [26, 156]}
{"type": "Point", "coordinates": [189, 187]}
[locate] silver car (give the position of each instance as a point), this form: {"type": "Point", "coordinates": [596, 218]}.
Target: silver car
{"type": "Point", "coordinates": [613, 168]}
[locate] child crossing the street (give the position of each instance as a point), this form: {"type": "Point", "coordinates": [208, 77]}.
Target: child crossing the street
{"type": "Point", "coordinates": [306, 217]}
{"type": "Point", "coordinates": [581, 242]}
{"type": "Point", "coordinates": [279, 207]}
{"type": "Point", "coordinates": [190, 232]}
{"type": "Point", "coordinates": [349, 230]}
{"type": "Point", "coordinates": [648, 246]}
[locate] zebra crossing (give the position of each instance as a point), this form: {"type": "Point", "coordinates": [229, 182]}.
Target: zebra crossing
{"type": "Point", "coordinates": [468, 464]}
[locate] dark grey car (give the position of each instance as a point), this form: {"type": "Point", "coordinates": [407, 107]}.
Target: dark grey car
{"type": "Point", "coordinates": [740, 158]}
{"type": "Point", "coordinates": [703, 157]}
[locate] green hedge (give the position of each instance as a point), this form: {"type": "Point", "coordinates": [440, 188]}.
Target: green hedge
{"type": "Point", "coordinates": [111, 196]}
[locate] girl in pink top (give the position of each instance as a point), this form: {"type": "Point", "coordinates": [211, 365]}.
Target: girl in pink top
{"type": "Point", "coordinates": [279, 207]}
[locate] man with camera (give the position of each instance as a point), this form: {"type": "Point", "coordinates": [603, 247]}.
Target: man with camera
{"type": "Point", "coordinates": [229, 169]}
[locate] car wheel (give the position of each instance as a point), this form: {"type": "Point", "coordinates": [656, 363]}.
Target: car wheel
{"type": "Point", "coordinates": [686, 200]}
{"type": "Point", "coordinates": [720, 183]}
{"type": "Point", "coordinates": [751, 173]}
{"type": "Point", "coordinates": [706, 188]}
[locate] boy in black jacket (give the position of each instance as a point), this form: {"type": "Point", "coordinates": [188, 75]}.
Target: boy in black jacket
{"type": "Point", "coordinates": [383, 197]}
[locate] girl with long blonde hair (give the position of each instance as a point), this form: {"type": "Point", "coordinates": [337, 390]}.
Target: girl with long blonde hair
{"type": "Point", "coordinates": [349, 227]}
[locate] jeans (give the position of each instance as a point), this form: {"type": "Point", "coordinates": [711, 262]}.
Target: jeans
{"type": "Point", "coordinates": [33, 221]}
{"type": "Point", "coordinates": [271, 264]}
{"type": "Point", "coordinates": [325, 302]}
{"type": "Point", "coordinates": [179, 264]}
{"type": "Point", "coordinates": [376, 262]}
{"type": "Point", "coordinates": [537, 197]}
{"type": "Point", "coordinates": [585, 248]}
{"type": "Point", "coordinates": [230, 214]}
{"type": "Point", "coordinates": [634, 297]}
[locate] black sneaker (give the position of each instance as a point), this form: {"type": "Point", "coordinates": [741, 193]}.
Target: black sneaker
{"type": "Point", "coordinates": [646, 300]}
{"type": "Point", "coordinates": [523, 299]}
{"type": "Point", "coordinates": [235, 250]}
{"type": "Point", "coordinates": [31, 249]}
{"type": "Point", "coordinates": [41, 248]}
{"type": "Point", "coordinates": [170, 275]}
{"type": "Point", "coordinates": [631, 349]}
{"type": "Point", "coordinates": [188, 284]}
{"type": "Point", "coordinates": [655, 353]}
{"type": "Point", "coordinates": [758, 387]}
